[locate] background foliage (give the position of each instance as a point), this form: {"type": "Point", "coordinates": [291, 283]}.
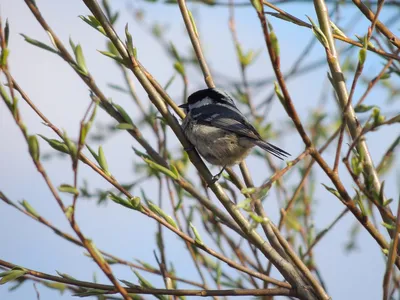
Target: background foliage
{"type": "Point", "coordinates": [333, 244]}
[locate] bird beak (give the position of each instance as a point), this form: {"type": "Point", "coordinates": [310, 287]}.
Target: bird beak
{"type": "Point", "coordinates": [184, 106]}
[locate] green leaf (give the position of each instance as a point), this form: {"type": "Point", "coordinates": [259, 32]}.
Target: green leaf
{"type": "Point", "coordinates": [80, 60]}
{"type": "Point", "coordinates": [197, 239]}
{"type": "Point", "coordinates": [102, 161]}
{"type": "Point", "coordinates": [169, 82]}
{"type": "Point", "coordinates": [34, 149]}
{"type": "Point", "coordinates": [123, 113]}
{"type": "Point", "coordinates": [362, 55]}
{"type": "Point", "coordinates": [218, 274]}
{"type": "Point", "coordinates": [390, 226]}
{"type": "Point", "coordinates": [175, 171]}
{"type": "Point", "coordinates": [362, 40]}
{"type": "Point", "coordinates": [72, 44]}
{"type": "Point", "coordinates": [171, 221]}
{"type": "Point", "coordinates": [16, 286]}
{"type": "Point", "coordinates": [377, 117]}
{"type": "Point", "coordinates": [292, 221]}
{"type": "Point", "coordinates": [38, 44]}
{"type": "Point", "coordinates": [140, 153]}
{"type": "Point", "coordinates": [107, 8]}
{"type": "Point", "coordinates": [245, 204]}
{"type": "Point", "coordinates": [146, 265]}
{"type": "Point", "coordinates": [160, 168]}
{"type": "Point", "coordinates": [174, 52]}
{"type": "Point", "coordinates": [258, 5]}
{"type": "Point", "coordinates": [385, 76]}
{"type": "Point", "coordinates": [69, 211]}
{"type": "Point", "coordinates": [96, 251]}
{"type": "Point", "coordinates": [118, 88]}
{"type": "Point", "coordinates": [125, 126]}
{"type": "Point", "coordinates": [115, 57]}
{"type": "Point", "coordinates": [178, 66]}
{"type": "Point", "coordinates": [72, 150]}
{"type": "Point", "coordinates": [360, 203]}
{"type": "Point", "coordinates": [248, 190]}
{"type": "Point", "coordinates": [5, 96]}
{"type": "Point", "coordinates": [279, 94]}
{"type": "Point", "coordinates": [12, 275]}
{"type": "Point", "coordinates": [66, 276]}
{"type": "Point", "coordinates": [66, 188]}
{"type": "Point", "coordinates": [86, 127]}
{"type": "Point", "coordinates": [29, 208]}
{"type": "Point", "coordinates": [248, 58]}
{"type": "Point", "coordinates": [257, 218]}
{"type": "Point", "coordinates": [363, 108]}
{"type": "Point", "coordinates": [133, 203]}
{"type": "Point", "coordinates": [319, 34]}
{"type": "Point", "coordinates": [387, 202]}
{"type": "Point", "coordinates": [53, 42]}
{"type": "Point", "coordinates": [4, 56]}
{"type": "Point", "coordinates": [89, 292]}
{"type": "Point", "coordinates": [129, 284]}
{"type": "Point", "coordinates": [157, 210]}
{"type": "Point", "coordinates": [274, 42]}
{"type": "Point", "coordinates": [111, 48]}
{"type": "Point", "coordinates": [129, 43]}
{"type": "Point", "coordinates": [142, 280]}
{"type": "Point", "coordinates": [94, 154]}
{"type": "Point", "coordinates": [114, 18]}
{"type": "Point", "coordinates": [356, 165]}
{"type": "Point", "coordinates": [15, 107]}
{"type": "Point", "coordinates": [336, 30]}
{"type": "Point", "coordinates": [381, 193]}
{"type": "Point", "coordinates": [147, 284]}
{"type": "Point", "coordinates": [93, 22]}
{"type": "Point", "coordinates": [180, 201]}
{"type": "Point", "coordinates": [55, 144]}
{"type": "Point", "coordinates": [193, 23]}
{"type": "Point", "coordinates": [56, 286]}
{"type": "Point", "coordinates": [333, 191]}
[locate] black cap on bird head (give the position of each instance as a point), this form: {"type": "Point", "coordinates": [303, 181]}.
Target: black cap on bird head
{"type": "Point", "coordinates": [211, 94]}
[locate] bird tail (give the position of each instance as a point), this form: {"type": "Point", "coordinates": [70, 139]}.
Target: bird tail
{"type": "Point", "coordinates": [278, 152]}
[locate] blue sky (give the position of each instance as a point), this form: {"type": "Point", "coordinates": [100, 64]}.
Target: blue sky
{"type": "Point", "coordinates": [62, 96]}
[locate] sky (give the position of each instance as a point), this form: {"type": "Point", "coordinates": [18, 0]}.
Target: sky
{"type": "Point", "coordinates": [61, 95]}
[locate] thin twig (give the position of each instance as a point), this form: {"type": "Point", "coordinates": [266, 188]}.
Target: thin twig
{"type": "Point", "coordinates": [341, 91]}
{"type": "Point", "coordinates": [109, 289]}
{"type": "Point", "coordinates": [381, 27]}
{"type": "Point", "coordinates": [391, 256]}
{"type": "Point", "coordinates": [324, 232]}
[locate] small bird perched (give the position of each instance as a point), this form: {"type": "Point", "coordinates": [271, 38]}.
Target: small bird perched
{"type": "Point", "coordinates": [219, 131]}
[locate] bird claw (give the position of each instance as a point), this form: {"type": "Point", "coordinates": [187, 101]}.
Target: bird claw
{"type": "Point", "coordinates": [216, 177]}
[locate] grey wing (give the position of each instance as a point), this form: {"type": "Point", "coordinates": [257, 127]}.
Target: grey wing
{"type": "Point", "coordinates": [249, 131]}
{"type": "Point", "coordinates": [237, 126]}
{"type": "Point", "coordinates": [232, 120]}
{"type": "Point", "coordinates": [227, 118]}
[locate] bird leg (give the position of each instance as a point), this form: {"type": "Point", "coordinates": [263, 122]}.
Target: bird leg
{"type": "Point", "coordinates": [217, 176]}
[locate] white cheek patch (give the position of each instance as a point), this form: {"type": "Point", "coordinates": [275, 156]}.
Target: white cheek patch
{"type": "Point", "coordinates": [205, 101]}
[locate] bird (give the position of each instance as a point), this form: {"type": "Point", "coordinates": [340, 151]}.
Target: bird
{"type": "Point", "coordinates": [221, 134]}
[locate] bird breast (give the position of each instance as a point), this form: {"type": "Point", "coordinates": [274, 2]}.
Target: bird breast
{"type": "Point", "coordinates": [217, 146]}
